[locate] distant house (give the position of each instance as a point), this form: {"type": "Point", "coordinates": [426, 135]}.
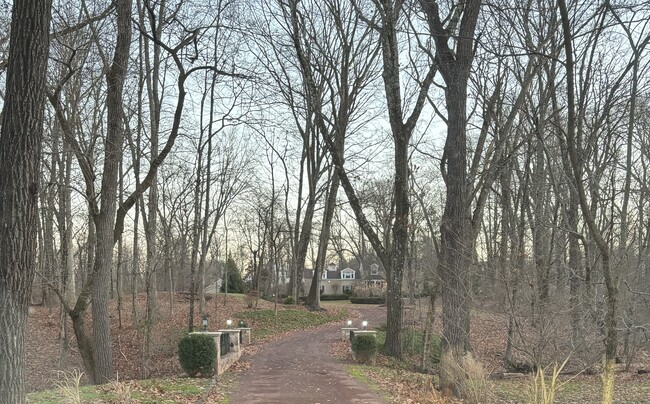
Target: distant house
{"type": "Point", "coordinates": [213, 288]}
{"type": "Point", "coordinates": [376, 277]}
{"type": "Point", "coordinates": [335, 282]}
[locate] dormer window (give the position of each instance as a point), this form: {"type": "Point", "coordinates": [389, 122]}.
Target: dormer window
{"type": "Point", "coordinates": [347, 274]}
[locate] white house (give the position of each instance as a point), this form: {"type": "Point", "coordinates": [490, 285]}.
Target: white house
{"type": "Point", "coordinates": [336, 282]}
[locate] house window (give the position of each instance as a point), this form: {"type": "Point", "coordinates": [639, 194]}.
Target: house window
{"type": "Point", "coordinates": [347, 275]}
{"type": "Point", "coordinates": [322, 290]}
{"type": "Point", "coordinates": [347, 288]}
{"type": "Point", "coordinates": [324, 276]}
{"type": "Point", "coordinates": [374, 269]}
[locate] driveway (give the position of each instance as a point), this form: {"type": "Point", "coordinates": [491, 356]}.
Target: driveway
{"type": "Point", "coordinates": [301, 369]}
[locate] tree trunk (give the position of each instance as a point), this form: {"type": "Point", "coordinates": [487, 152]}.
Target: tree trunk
{"type": "Point", "coordinates": [120, 255]}
{"type": "Point", "coordinates": [105, 220]}
{"type": "Point", "coordinates": [303, 245]}
{"type": "Point", "coordinates": [313, 299]}
{"type": "Point", "coordinates": [395, 271]}
{"type": "Point", "coordinates": [541, 221]}
{"type": "Point", "coordinates": [611, 281]}
{"type": "Point", "coordinates": [84, 343]}
{"type": "Point", "coordinates": [505, 202]}
{"type": "Point", "coordinates": [50, 268]}
{"type": "Point", "coordinates": [135, 266]}
{"type": "Point", "coordinates": [152, 74]}
{"type": "Point", "coordinates": [575, 270]}
{"type": "Point", "coordinates": [86, 269]}
{"type": "Point", "coordinates": [196, 236]}
{"type": "Point", "coordinates": [428, 331]}
{"type": "Point", "coordinates": [21, 135]}
{"type": "Point", "coordinates": [67, 251]}
{"type": "Point", "coordinates": [455, 227]}
{"type": "Point", "coordinates": [454, 235]}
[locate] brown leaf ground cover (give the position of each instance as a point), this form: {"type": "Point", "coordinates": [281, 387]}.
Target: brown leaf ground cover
{"type": "Point", "coordinates": [401, 381]}
{"type": "Point", "coordinates": [47, 356]}
{"type": "Point", "coordinates": [394, 379]}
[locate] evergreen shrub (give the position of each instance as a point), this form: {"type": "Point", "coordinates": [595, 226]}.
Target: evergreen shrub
{"type": "Point", "coordinates": [235, 282]}
{"type": "Point", "coordinates": [364, 348]}
{"type": "Point", "coordinates": [368, 300]}
{"type": "Point", "coordinates": [333, 297]}
{"type": "Point", "coordinates": [197, 354]}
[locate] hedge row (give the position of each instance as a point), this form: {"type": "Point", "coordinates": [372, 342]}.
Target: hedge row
{"type": "Point", "coordinates": [368, 300]}
{"type": "Point", "coordinates": [334, 297]}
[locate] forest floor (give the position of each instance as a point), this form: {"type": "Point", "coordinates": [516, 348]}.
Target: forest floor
{"type": "Point", "coordinates": [48, 358]}
{"type": "Point", "coordinates": [390, 381]}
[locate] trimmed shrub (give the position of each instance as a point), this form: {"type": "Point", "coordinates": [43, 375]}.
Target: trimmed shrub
{"type": "Point", "coordinates": [289, 300]}
{"type": "Point", "coordinates": [197, 354]}
{"type": "Point", "coordinates": [364, 348]}
{"type": "Point", "coordinates": [368, 300]}
{"type": "Point", "coordinates": [334, 297]}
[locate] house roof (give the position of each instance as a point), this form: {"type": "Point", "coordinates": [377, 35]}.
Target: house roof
{"type": "Point", "coordinates": [309, 274]}
{"type": "Point", "coordinates": [364, 274]}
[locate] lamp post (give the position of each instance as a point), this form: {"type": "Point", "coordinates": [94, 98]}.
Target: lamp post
{"type": "Point", "coordinates": [229, 323]}
{"type": "Point", "coordinates": [204, 322]}
{"type": "Point", "coordinates": [349, 323]}
{"type": "Point", "coordinates": [364, 324]}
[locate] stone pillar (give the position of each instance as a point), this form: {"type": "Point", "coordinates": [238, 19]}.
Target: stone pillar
{"type": "Point", "coordinates": [246, 335]}
{"type": "Point", "coordinates": [345, 333]}
{"type": "Point", "coordinates": [234, 339]}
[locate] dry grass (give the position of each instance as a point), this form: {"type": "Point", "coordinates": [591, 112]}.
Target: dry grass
{"type": "Point", "coordinates": [121, 390]}
{"type": "Point", "coordinates": [543, 391]}
{"type": "Point", "coordinates": [467, 376]}
{"type": "Point", "coordinates": [69, 386]}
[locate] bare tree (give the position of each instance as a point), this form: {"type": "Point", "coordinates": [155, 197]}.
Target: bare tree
{"type": "Point", "coordinates": [273, 34]}
{"type": "Point", "coordinates": [21, 136]}
{"type": "Point", "coordinates": [334, 49]}
{"type": "Point", "coordinates": [454, 61]}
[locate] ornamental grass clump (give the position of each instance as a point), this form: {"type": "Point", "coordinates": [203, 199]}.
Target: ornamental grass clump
{"type": "Point", "coordinates": [544, 386]}
{"type": "Point", "coordinates": [364, 348]}
{"type": "Point", "coordinates": [69, 386]}
{"type": "Point", "coordinates": [465, 378]}
{"type": "Point", "coordinates": [197, 354]}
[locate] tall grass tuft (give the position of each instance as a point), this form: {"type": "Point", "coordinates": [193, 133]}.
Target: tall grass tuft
{"type": "Point", "coordinates": [122, 391]}
{"type": "Point", "coordinates": [69, 386]}
{"type": "Point", "coordinates": [542, 391]}
{"type": "Point", "coordinates": [468, 378]}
